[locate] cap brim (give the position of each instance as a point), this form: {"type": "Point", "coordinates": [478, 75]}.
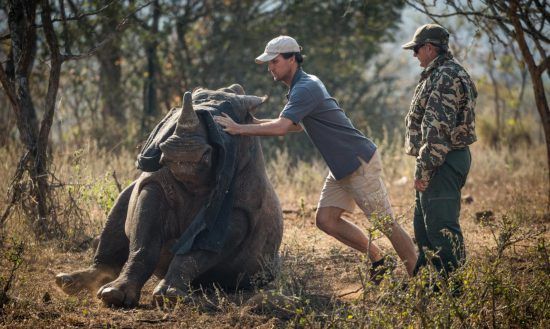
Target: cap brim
{"type": "Point", "coordinates": [265, 57]}
{"type": "Point", "coordinates": [409, 45]}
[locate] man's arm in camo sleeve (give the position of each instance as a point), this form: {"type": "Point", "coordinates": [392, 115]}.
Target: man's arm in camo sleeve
{"type": "Point", "coordinates": [437, 124]}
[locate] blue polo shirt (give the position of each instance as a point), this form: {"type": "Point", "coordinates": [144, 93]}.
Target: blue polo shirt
{"type": "Point", "coordinates": [331, 131]}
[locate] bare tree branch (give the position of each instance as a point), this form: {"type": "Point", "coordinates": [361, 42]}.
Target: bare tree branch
{"type": "Point", "coordinates": [64, 19]}
{"type": "Point", "coordinates": [77, 17]}
{"type": "Point", "coordinates": [424, 10]}
{"type": "Point", "coordinates": [65, 32]}
{"type": "Point", "coordinates": [530, 29]}
{"type": "Point", "coordinates": [85, 14]}
{"type": "Point", "coordinates": [120, 27]}
{"type": "Point", "coordinates": [55, 70]}
{"type": "Point", "coordinates": [473, 15]}
{"type": "Point", "coordinates": [543, 66]}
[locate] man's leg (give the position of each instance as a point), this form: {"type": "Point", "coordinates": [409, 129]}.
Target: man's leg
{"type": "Point", "coordinates": [404, 246]}
{"type": "Point", "coordinates": [441, 210]}
{"type": "Point", "coordinates": [329, 220]}
{"type": "Point", "coordinates": [369, 192]}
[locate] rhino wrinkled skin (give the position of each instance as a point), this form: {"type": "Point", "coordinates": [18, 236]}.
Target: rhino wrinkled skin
{"type": "Point", "coordinates": [152, 213]}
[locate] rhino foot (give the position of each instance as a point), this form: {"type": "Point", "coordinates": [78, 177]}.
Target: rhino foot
{"type": "Point", "coordinates": [119, 293]}
{"type": "Point", "coordinates": [166, 294]}
{"type": "Point", "coordinates": [89, 279]}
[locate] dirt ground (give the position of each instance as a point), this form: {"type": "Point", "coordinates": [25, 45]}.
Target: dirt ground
{"type": "Point", "coordinates": [329, 271]}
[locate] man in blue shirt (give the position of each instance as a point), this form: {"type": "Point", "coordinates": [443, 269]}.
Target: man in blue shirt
{"type": "Point", "coordinates": [355, 167]}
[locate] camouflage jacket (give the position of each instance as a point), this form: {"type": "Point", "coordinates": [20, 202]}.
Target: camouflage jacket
{"type": "Point", "coordinates": [441, 116]}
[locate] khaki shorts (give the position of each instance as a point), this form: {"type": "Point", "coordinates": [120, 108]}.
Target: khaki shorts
{"type": "Point", "coordinates": [363, 187]}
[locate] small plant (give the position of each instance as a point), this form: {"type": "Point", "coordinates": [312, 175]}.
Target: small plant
{"type": "Point", "coordinates": [302, 212]}
{"type": "Point", "coordinates": [13, 258]}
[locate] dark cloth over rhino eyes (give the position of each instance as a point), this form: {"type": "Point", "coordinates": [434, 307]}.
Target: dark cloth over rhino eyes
{"type": "Point", "coordinates": [208, 230]}
{"type": "Point", "coordinates": [148, 158]}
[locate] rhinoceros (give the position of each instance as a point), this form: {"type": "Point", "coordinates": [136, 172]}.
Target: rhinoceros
{"type": "Point", "coordinates": [209, 214]}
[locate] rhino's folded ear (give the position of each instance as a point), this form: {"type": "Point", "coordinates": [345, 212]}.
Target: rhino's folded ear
{"type": "Point", "coordinates": [233, 89]}
{"type": "Point", "coordinates": [237, 89]}
{"type": "Point", "coordinates": [251, 102]}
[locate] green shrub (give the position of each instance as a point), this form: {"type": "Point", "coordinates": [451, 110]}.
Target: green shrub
{"type": "Point", "coordinates": [512, 134]}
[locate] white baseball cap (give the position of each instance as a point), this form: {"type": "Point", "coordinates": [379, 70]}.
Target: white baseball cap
{"type": "Point", "coordinates": [279, 45]}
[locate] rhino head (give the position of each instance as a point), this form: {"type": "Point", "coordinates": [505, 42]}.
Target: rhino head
{"type": "Point", "coordinates": [187, 153]}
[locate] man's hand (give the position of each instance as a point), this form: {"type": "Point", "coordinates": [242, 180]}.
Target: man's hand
{"type": "Point", "coordinates": [228, 124]}
{"type": "Point", "coordinates": [420, 185]}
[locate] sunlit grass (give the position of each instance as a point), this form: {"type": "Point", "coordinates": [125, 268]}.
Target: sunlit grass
{"type": "Point", "coordinates": [321, 283]}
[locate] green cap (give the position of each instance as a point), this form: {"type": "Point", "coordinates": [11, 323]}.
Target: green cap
{"type": "Point", "coordinates": [429, 33]}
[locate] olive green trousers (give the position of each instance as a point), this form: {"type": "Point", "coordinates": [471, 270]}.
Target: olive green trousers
{"type": "Point", "coordinates": [436, 215]}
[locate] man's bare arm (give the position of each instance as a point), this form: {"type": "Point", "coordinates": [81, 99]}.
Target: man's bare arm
{"type": "Point", "coordinates": [274, 127]}
{"type": "Point", "coordinates": [293, 129]}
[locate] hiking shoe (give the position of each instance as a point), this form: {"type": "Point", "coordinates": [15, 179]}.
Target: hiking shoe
{"type": "Point", "coordinates": [380, 268]}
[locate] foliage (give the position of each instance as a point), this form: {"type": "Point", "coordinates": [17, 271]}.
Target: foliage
{"type": "Point", "coordinates": [83, 201]}
{"type": "Point", "coordinates": [141, 71]}
{"type": "Point", "coordinates": [514, 134]}
{"type": "Point", "coordinates": [495, 290]}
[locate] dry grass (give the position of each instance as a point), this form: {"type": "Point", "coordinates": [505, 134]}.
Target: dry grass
{"type": "Point", "coordinates": [321, 280]}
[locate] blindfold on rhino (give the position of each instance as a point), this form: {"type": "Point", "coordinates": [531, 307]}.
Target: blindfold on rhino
{"type": "Point", "coordinates": [187, 153]}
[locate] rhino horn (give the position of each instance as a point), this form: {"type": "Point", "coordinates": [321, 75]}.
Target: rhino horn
{"type": "Point", "coordinates": [250, 102]}
{"type": "Point", "coordinates": [188, 121]}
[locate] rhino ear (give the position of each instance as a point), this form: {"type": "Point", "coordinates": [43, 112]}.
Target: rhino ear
{"type": "Point", "coordinates": [233, 89]}
{"type": "Point", "coordinates": [237, 89]}
{"type": "Point", "coordinates": [188, 122]}
{"type": "Point", "coordinates": [250, 102]}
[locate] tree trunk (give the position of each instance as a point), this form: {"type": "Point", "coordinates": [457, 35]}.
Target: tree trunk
{"type": "Point", "coordinates": [49, 110]}
{"type": "Point", "coordinates": [517, 113]}
{"type": "Point", "coordinates": [110, 77]}
{"type": "Point", "coordinates": [495, 139]}
{"type": "Point", "coordinates": [21, 20]}
{"type": "Point", "coordinates": [150, 103]}
{"type": "Point", "coordinates": [538, 86]}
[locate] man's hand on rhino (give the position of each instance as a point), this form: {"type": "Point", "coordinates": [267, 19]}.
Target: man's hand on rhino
{"type": "Point", "coordinates": [228, 124]}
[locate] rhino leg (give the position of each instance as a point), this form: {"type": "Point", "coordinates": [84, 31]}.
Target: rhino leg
{"type": "Point", "coordinates": [182, 271]}
{"type": "Point", "coordinates": [144, 234]}
{"type": "Point", "coordinates": [110, 255]}
{"type": "Point", "coordinates": [185, 268]}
